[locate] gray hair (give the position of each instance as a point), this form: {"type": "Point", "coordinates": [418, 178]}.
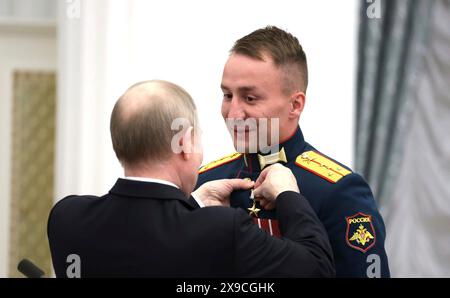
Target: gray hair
{"type": "Point", "coordinates": [141, 121]}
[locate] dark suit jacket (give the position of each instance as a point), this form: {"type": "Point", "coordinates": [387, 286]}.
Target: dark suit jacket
{"type": "Point", "coordinates": [142, 229]}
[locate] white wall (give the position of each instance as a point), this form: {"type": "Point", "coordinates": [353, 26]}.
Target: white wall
{"type": "Point", "coordinates": [25, 46]}
{"type": "Point", "coordinates": [189, 42]}
{"type": "Point", "coordinates": [36, 9]}
{"type": "Point", "coordinates": [114, 44]}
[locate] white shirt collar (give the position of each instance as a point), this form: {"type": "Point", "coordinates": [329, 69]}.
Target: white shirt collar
{"type": "Point", "coordinates": [153, 180]}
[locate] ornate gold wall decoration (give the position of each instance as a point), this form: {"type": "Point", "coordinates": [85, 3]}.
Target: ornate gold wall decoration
{"type": "Point", "coordinates": [33, 153]}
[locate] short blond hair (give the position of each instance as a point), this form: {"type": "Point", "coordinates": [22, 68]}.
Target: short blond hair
{"type": "Point", "coordinates": [283, 48]}
{"type": "Point", "coordinates": [141, 121]}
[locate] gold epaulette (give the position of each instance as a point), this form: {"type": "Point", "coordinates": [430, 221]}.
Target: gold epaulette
{"type": "Point", "coordinates": [321, 166]}
{"type": "Point", "coordinates": [219, 162]}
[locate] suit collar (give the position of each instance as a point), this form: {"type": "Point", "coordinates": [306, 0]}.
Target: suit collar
{"type": "Point", "coordinates": [154, 180]}
{"type": "Point", "coordinates": [148, 190]}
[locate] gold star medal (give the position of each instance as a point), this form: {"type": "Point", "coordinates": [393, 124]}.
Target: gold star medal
{"type": "Point", "coordinates": [253, 211]}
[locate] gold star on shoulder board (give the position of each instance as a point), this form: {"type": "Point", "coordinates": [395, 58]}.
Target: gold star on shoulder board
{"type": "Point", "coordinates": [253, 210]}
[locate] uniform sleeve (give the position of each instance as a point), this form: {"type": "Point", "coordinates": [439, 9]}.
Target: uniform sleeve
{"type": "Point", "coordinates": [356, 229]}
{"type": "Point", "coordinates": [304, 250]}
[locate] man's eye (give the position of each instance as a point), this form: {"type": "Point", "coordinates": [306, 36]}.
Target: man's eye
{"type": "Point", "coordinates": [250, 98]}
{"type": "Point", "coordinates": [227, 96]}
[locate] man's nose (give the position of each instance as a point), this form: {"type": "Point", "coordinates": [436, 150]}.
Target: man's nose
{"type": "Point", "coordinates": [236, 110]}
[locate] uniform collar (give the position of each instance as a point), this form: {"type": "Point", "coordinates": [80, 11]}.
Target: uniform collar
{"type": "Point", "coordinates": [293, 147]}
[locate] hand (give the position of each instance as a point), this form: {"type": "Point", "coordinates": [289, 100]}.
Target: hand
{"type": "Point", "coordinates": [271, 182]}
{"type": "Point", "coordinates": [217, 192]}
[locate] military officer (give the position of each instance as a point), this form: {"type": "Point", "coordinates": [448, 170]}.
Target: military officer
{"type": "Point", "coordinates": [265, 78]}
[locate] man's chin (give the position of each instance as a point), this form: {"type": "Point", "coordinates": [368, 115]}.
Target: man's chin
{"type": "Point", "coordinates": [244, 147]}
{"type": "Point", "coordinates": [247, 142]}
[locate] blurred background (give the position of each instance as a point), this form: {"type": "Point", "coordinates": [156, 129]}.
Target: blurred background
{"type": "Point", "coordinates": [378, 101]}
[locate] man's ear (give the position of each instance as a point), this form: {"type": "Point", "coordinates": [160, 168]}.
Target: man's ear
{"type": "Point", "coordinates": [297, 104]}
{"type": "Point", "coordinates": [186, 143]}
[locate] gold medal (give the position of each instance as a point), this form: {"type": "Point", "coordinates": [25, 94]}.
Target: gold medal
{"type": "Point", "coordinates": [253, 211]}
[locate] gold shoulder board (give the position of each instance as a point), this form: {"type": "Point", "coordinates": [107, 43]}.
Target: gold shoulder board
{"type": "Point", "coordinates": [219, 162]}
{"type": "Point", "coordinates": [321, 166]}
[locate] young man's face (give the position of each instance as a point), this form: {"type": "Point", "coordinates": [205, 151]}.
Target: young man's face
{"type": "Point", "coordinates": [254, 89]}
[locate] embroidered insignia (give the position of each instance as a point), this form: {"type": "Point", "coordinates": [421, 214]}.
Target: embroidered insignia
{"type": "Point", "coordinates": [267, 160]}
{"type": "Point", "coordinates": [321, 166]}
{"type": "Point", "coordinates": [360, 233]}
{"type": "Point", "coordinates": [219, 162]}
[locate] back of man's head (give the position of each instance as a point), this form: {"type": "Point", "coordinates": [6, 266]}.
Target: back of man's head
{"type": "Point", "coordinates": [141, 121]}
{"type": "Point", "coordinates": [283, 48]}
